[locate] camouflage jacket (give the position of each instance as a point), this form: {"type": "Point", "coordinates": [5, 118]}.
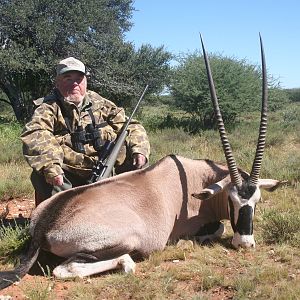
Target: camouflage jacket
{"type": "Point", "coordinates": [47, 145]}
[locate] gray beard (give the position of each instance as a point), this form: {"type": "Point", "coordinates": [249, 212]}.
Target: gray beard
{"type": "Point", "coordinates": [77, 100]}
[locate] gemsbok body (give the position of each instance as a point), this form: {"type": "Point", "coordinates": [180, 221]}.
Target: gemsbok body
{"type": "Point", "coordinates": [100, 226]}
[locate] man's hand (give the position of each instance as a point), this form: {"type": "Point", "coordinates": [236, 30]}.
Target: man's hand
{"type": "Point", "coordinates": [56, 180]}
{"type": "Point", "coordinates": [139, 160]}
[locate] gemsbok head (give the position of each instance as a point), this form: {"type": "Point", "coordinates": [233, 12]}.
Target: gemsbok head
{"type": "Point", "coordinates": [243, 193]}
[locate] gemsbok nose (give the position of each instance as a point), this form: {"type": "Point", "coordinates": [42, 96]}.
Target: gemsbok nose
{"type": "Point", "coordinates": [243, 241]}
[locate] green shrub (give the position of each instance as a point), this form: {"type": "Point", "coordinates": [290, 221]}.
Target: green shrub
{"type": "Point", "coordinates": [10, 143]}
{"type": "Point", "coordinates": [281, 227]}
{"type": "Point", "coordinates": [291, 116]}
{"type": "Point", "coordinates": [293, 94]}
{"type": "Point", "coordinates": [12, 241]}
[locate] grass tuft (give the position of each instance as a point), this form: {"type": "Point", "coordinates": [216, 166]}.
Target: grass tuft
{"type": "Point", "coordinates": [10, 146]}
{"type": "Point", "coordinates": [14, 180]}
{"type": "Point", "coordinates": [40, 289]}
{"type": "Point", "coordinates": [281, 228]}
{"type": "Point", "coordinates": [12, 241]}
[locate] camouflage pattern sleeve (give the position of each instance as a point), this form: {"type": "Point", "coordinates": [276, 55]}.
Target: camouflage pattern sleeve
{"type": "Point", "coordinates": [138, 140]}
{"type": "Point", "coordinates": [40, 147]}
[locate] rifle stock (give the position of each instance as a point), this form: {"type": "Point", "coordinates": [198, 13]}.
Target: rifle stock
{"type": "Point", "coordinates": [106, 169]}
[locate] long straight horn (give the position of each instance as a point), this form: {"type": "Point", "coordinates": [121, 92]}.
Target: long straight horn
{"type": "Point", "coordinates": [254, 175]}
{"type": "Point", "coordinates": [233, 170]}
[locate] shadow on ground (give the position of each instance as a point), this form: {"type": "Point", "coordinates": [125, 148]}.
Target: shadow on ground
{"type": "Point", "coordinates": [45, 263]}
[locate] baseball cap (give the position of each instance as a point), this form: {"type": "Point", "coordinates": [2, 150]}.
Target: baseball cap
{"type": "Point", "coordinates": [70, 64]}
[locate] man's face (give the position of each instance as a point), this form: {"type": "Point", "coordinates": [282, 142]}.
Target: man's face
{"type": "Point", "coordinates": [72, 85]}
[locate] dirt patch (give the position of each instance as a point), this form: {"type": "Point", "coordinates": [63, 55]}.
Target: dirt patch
{"type": "Point", "coordinates": [18, 208]}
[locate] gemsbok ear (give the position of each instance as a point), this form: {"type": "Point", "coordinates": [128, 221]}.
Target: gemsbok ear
{"type": "Point", "coordinates": [270, 185]}
{"type": "Point", "coordinates": [212, 189]}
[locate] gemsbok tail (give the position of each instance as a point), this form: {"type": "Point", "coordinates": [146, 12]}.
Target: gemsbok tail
{"type": "Point", "coordinates": [26, 262]}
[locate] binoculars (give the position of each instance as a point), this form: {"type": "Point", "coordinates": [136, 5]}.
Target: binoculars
{"type": "Point", "coordinates": [89, 135]}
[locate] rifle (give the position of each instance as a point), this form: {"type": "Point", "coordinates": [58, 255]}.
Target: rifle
{"type": "Point", "coordinates": [110, 150]}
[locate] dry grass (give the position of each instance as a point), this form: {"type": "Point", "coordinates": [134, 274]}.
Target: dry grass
{"type": "Point", "coordinates": [206, 272]}
{"type": "Point", "coordinates": [14, 180]}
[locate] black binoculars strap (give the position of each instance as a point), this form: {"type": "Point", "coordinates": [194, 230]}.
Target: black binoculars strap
{"type": "Point", "coordinates": [68, 123]}
{"type": "Point", "coordinates": [102, 124]}
{"type": "Point", "coordinates": [92, 117]}
{"type": "Point", "coordinates": [67, 120]}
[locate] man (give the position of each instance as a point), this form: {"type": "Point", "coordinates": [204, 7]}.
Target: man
{"type": "Point", "coordinates": [68, 129]}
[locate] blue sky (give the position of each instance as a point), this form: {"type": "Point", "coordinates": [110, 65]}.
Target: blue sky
{"type": "Point", "coordinates": [228, 27]}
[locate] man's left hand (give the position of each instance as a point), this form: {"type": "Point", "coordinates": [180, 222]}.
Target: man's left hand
{"type": "Point", "coordinates": [139, 160]}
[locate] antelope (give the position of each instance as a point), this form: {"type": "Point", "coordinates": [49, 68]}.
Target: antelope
{"type": "Point", "coordinates": [103, 225]}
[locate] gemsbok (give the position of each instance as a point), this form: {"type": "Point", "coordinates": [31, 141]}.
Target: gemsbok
{"type": "Point", "coordinates": [99, 227]}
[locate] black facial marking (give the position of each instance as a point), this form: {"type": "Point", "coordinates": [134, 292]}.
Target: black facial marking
{"type": "Point", "coordinates": [231, 207]}
{"type": "Point", "coordinates": [244, 224]}
{"type": "Point", "coordinates": [247, 190]}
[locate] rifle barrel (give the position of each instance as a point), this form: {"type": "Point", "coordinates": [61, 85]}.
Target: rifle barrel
{"type": "Point", "coordinates": [111, 160]}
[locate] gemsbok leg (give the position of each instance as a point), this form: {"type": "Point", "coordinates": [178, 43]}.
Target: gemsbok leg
{"type": "Point", "coordinates": [80, 265]}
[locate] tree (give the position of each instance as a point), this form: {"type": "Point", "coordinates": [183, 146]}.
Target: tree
{"type": "Point", "coordinates": [127, 76]}
{"type": "Point", "coordinates": [238, 86]}
{"type": "Point", "coordinates": [35, 34]}
{"type": "Point", "coordinates": [294, 94]}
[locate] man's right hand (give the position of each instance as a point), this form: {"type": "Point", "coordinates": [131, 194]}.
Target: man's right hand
{"type": "Point", "coordinates": [56, 180]}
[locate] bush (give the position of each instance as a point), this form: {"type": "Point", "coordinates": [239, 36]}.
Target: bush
{"type": "Point", "coordinates": [238, 87]}
{"type": "Point", "coordinates": [10, 143]}
{"type": "Point", "coordinates": [281, 228]}
{"type": "Point", "coordinates": [12, 241]}
{"type": "Point", "coordinates": [293, 94]}
{"type": "Point", "coordinates": [291, 116]}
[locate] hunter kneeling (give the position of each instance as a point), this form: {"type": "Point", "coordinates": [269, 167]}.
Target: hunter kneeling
{"type": "Point", "coordinates": [72, 130]}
